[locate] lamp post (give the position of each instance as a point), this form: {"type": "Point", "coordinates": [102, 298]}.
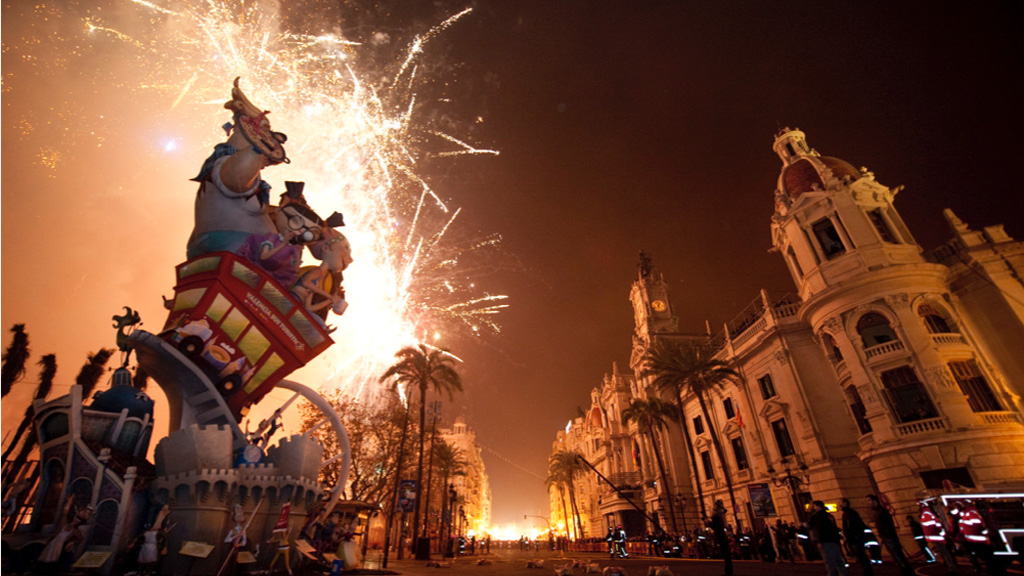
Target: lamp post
{"type": "Point", "coordinates": [545, 519]}
{"type": "Point", "coordinates": [449, 517]}
{"type": "Point", "coordinates": [793, 482]}
{"type": "Point", "coordinates": [680, 501]}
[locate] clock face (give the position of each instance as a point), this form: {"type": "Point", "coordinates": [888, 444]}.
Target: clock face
{"type": "Point", "coordinates": [658, 306]}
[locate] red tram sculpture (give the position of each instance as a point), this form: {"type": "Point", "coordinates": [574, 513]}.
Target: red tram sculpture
{"type": "Point", "coordinates": [240, 326]}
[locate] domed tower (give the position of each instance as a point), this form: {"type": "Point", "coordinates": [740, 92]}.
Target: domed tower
{"type": "Point", "coordinates": [833, 222]}
{"type": "Point", "coordinates": [929, 404]}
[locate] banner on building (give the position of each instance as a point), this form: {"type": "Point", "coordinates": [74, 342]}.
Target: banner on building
{"type": "Point", "coordinates": [407, 496]}
{"type": "Point", "coordinates": [761, 500]}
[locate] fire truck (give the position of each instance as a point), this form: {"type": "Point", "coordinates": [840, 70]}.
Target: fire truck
{"type": "Point", "coordinates": [1002, 515]}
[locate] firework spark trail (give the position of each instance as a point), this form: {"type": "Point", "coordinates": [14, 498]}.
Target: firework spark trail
{"type": "Point", "coordinates": [356, 145]}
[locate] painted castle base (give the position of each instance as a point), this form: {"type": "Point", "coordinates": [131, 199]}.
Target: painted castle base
{"type": "Point", "coordinates": [197, 479]}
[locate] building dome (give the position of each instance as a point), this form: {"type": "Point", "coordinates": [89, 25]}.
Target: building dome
{"type": "Point", "coordinates": [804, 174]}
{"type": "Point", "coordinates": [138, 403]}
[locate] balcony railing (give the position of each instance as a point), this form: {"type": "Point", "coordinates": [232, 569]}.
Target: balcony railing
{"type": "Point", "coordinates": [883, 349]}
{"type": "Point", "coordinates": [626, 480]}
{"type": "Point", "coordinates": [921, 426]}
{"type": "Point", "coordinates": [948, 338]}
{"type": "Point", "coordinates": [1001, 417]}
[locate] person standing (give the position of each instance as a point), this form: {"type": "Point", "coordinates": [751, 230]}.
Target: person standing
{"type": "Point", "coordinates": [782, 540]}
{"type": "Point", "coordinates": [824, 531]}
{"type": "Point", "coordinates": [718, 524]}
{"type": "Point", "coordinates": [935, 534]}
{"type": "Point", "coordinates": [886, 528]}
{"type": "Point", "coordinates": [922, 543]}
{"type": "Point", "coordinates": [854, 529]}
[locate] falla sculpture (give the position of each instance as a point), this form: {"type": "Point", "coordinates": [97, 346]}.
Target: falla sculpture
{"type": "Point", "coordinates": [244, 315]}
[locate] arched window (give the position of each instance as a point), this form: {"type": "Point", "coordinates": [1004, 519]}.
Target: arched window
{"type": "Point", "coordinates": [105, 523]}
{"type": "Point", "coordinates": [81, 490]}
{"type": "Point", "coordinates": [54, 427]}
{"type": "Point", "coordinates": [874, 329]}
{"type": "Point", "coordinates": [53, 480]}
{"type": "Point", "coordinates": [129, 436]}
{"type": "Point", "coordinates": [935, 322]}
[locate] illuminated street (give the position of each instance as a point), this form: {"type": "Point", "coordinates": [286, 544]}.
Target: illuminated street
{"type": "Point", "coordinates": [505, 562]}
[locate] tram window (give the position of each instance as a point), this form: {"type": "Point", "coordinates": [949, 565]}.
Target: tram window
{"type": "Point", "coordinates": [269, 367]}
{"type": "Point", "coordinates": [234, 324]}
{"type": "Point", "coordinates": [253, 345]}
{"type": "Point", "coordinates": [199, 265]}
{"type": "Point", "coordinates": [308, 331]}
{"type": "Point", "coordinates": [276, 297]}
{"type": "Point", "coordinates": [218, 308]}
{"type": "Point", "coordinates": [240, 271]}
{"type": "Point", "coordinates": [188, 299]}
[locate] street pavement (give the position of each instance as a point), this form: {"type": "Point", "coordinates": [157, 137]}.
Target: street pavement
{"type": "Point", "coordinates": [506, 562]}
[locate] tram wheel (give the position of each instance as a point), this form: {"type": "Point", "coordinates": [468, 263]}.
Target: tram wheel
{"type": "Point", "coordinates": [229, 384]}
{"type": "Point", "coordinates": [191, 346]}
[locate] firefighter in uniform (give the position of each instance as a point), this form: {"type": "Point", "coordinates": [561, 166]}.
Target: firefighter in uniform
{"type": "Point", "coordinates": [976, 539]}
{"type": "Point", "coordinates": [935, 535]}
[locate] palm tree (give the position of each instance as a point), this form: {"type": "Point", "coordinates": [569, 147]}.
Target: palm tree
{"type": "Point", "coordinates": [662, 363]}
{"type": "Point", "coordinates": [686, 369]}
{"type": "Point", "coordinates": [567, 465]}
{"type": "Point", "coordinates": [424, 367]}
{"type": "Point", "coordinates": [450, 463]}
{"type": "Point", "coordinates": [14, 359]}
{"type": "Point", "coordinates": [399, 458]}
{"type": "Point", "coordinates": [650, 416]}
{"type": "Point", "coordinates": [556, 480]}
{"type": "Point", "coordinates": [92, 370]}
{"type": "Point", "coordinates": [49, 364]}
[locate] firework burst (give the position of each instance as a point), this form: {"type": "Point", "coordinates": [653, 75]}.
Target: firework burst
{"type": "Point", "coordinates": [358, 145]}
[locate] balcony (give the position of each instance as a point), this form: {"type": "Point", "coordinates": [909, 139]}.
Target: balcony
{"type": "Point", "coordinates": [951, 338]}
{"type": "Point", "coordinates": [997, 418]}
{"type": "Point", "coordinates": [921, 426]}
{"type": "Point", "coordinates": [880, 351]}
{"type": "Point", "coordinates": [626, 480]}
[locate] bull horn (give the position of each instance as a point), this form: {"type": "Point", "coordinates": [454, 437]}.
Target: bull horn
{"type": "Point", "coordinates": [239, 104]}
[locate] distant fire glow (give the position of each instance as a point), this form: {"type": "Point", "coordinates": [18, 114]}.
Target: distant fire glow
{"type": "Point", "coordinates": [354, 138]}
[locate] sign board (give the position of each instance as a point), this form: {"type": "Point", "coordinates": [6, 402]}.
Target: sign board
{"type": "Point", "coordinates": [761, 500]}
{"type": "Point", "coordinates": [92, 559]}
{"type": "Point", "coordinates": [246, 557]}
{"type": "Point", "coordinates": [304, 546]}
{"type": "Point", "coordinates": [196, 549]}
{"type": "Point", "coordinates": [407, 496]}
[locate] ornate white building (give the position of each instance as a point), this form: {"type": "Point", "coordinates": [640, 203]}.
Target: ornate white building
{"type": "Point", "coordinates": [473, 487]}
{"type": "Point", "coordinates": [892, 369]}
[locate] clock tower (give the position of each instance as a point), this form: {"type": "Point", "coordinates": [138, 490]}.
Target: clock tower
{"type": "Point", "coordinates": [652, 311]}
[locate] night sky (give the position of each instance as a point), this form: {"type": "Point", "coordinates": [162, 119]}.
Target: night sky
{"type": "Point", "coordinates": [622, 126]}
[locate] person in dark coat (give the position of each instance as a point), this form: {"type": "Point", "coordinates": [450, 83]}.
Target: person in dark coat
{"type": "Point", "coordinates": [886, 528]}
{"type": "Point", "coordinates": [854, 529]}
{"type": "Point", "coordinates": [721, 538]}
{"type": "Point", "coordinates": [826, 534]}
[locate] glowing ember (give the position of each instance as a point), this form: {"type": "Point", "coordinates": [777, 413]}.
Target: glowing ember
{"type": "Point", "coordinates": [356, 142]}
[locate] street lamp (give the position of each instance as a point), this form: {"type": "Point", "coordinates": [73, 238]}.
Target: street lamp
{"type": "Point", "coordinates": [793, 482]}
{"type": "Point", "coordinates": [680, 501]}
{"type": "Point", "coordinates": [551, 534]}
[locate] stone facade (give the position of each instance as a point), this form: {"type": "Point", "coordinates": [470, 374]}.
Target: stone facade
{"type": "Point", "coordinates": [473, 487]}
{"type": "Point", "coordinates": [891, 370]}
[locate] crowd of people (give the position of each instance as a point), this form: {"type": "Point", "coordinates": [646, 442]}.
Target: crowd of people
{"type": "Point", "coordinates": [838, 539]}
